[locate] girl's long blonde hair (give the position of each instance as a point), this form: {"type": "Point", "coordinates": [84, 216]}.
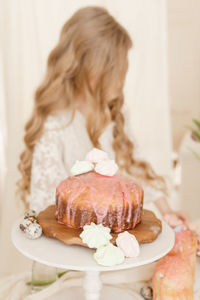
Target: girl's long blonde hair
{"type": "Point", "coordinates": [90, 59]}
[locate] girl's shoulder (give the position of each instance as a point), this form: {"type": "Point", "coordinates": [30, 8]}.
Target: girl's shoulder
{"type": "Point", "coordinates": [58, 120]}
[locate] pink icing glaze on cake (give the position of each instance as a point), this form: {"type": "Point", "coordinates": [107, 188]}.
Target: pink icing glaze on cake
{"type": "Point", "coordinates": [114, 201]}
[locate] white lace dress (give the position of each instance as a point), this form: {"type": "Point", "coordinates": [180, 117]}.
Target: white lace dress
{"type": "Point", "coordinates": [57, 150]}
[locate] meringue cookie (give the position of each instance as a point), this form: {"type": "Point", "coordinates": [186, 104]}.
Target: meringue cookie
{"type": "Point", "coordinates": [96, 155]}
{"type": "Point", "coordinates": [109, 255]}
{"type": "Point", "coordinates": [95, 235]}
{"type": "Point", "coordinates": [128, 244]}
{"type": "Point", "coordinates": [106, 167]}
{"type": "Point", "coordinates": [81, 167]}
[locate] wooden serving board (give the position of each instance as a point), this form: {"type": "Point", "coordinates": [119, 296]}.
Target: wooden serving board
{"type": "Point", "coordinates": [145, 232]}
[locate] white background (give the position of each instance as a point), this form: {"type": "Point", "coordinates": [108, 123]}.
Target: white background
{"type": "Point", "coordinates": [165, 41]}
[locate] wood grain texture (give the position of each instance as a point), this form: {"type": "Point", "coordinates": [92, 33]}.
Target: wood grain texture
{"type": "Point", "coordinates": [145, 232]}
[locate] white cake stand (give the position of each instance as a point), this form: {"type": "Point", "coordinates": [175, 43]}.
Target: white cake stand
{"type": "Point", "coordinates": [54, 253]}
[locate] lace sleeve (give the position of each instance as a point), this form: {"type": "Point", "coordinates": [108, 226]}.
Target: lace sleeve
{"type": "Point", "coordinates": [48, 170]}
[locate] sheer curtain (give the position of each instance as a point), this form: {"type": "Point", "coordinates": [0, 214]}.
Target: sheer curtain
{"type": "Point", "coordinates": [3, 127]}
{"type": "Point", "coordinates": [30, 31]}
{"type": "Point", "coordinates": [3, 136]}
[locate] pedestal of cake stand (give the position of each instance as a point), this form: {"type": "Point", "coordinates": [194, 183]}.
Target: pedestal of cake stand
{"type": "Point", "coordinates": [92, 285]}
{"type": "Point", "coordinates": [54, 253]}
{"type": "Point", "coordinates": [94, 290]}
{"type": "Point", "coordinates": [106, 293]}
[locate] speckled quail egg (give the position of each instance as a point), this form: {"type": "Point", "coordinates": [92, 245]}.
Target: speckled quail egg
{"type": "Point", "coordinates": [30, 213]}
{"type": "Point", "coordinates": [24, 224]}
{"type": "Point", "coordinates": [31, 219]}
{"type": "Point", "coordinates": [33, 231]}
{"type": "Point", "coordinates": [146, 292]}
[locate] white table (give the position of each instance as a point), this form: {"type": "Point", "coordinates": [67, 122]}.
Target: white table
{"type": "Point", "coordinates": [54, 253]}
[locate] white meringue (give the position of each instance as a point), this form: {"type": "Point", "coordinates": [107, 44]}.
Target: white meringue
{"type": "Point", "coordinates": [106, 167]}
{"type": "Point", "coordinates": [81, 167]}
{"type": "Point", "coordinates": [128, 244]}
{"type": "Point", "coordinates": [109, 255]}
{"type": "Point", "coordinates": [96, 155]}
{"type": "Point", "coordinates": [95, 235]}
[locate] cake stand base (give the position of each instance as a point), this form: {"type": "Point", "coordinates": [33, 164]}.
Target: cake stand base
{"type": "Point", "coordinates": [107, 293]}
{"type": "Point", "coordinates": [92, 290]}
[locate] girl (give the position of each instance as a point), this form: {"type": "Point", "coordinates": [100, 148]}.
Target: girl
{"type": "Point", "coordinates": [79, 106]}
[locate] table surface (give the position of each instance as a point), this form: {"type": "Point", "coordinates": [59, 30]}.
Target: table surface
{"type": "Point", "coordinates": [54, 253]}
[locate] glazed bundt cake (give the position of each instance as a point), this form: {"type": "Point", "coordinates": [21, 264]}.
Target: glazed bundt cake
{"type": "Point", "coordinates": [115, 201]}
